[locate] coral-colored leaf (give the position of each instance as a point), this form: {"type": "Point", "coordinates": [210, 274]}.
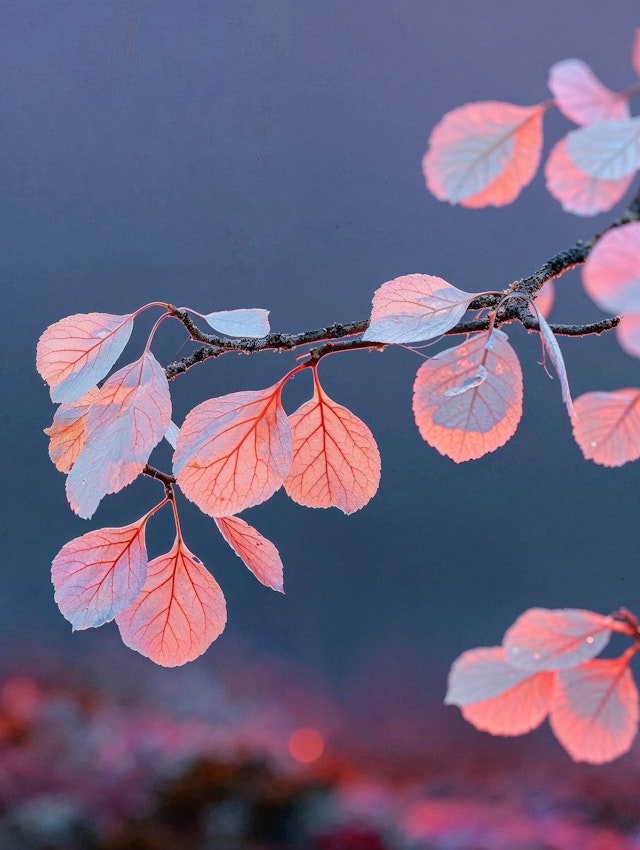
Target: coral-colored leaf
{"type": "Point", "coordinates": [546, 298]}
{"type": "Point", "coordinates": [234, 451]}
{"type": "Point", "coordinates": [495, 696]}
{"type": "Point", "coordinates": [336, 462]}
{"type": "Point", "coordinates": [594, 712]}
{"type": "Point", "coordinates": [179, 612]}
{"type": "Point", "coordinates": [553, 350]}
{"type": "Point", "coordinates": [484, 153]}
{"type": "Point", "coordinates": [608, 151]}
{"type": "Point", "coordinates": [99, 574]}
{"type": "Point", "coordinates": [467, 401]}
{"type": "Point", "coordinates": [628, 334]}
{"type": "Point", "coordinates": [415, 307]}
{"type": "Point", "coordinates": [635, 54]}
{"type": "Point", "coordinates": [581, 97]}
{"type": "Point", "coordinates": [579, 193]}
{"type": "Point", "coordinates": [611, 274]}
{"type": "Point", "coordinates": [66, 432]}
{"type": "Point", "coordinates": [257, 553]}
{"type": "Point", "coordinates": [77, 352]}
{"type": "Point", "coordinates": [124, 424]}
{"type": "Point", "coordinates": [240, 323]}
{"type": "Point", "coordinates": [544, 639]}
{"type": "Point", "coordinates": [608, 426]}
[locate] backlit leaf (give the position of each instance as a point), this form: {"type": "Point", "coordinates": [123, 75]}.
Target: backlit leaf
{"type": "Point", "coordinates": [66, 432]}
{"type": "Point", "coordinates": [99, 574]}
{"type": "Point", "coordinates": [544, 639]}
{"type": "Point", "coordinates": [545, 299]}
{"type": "Point", "coordinates": [611, 274]}
{"type": "Point", "coordinates": [78, 351]}
{"type": "Point", "coordinates": [594, 713]}
{"type": "Point", "coordinates": [234, 451]}
{"type": "Point", "coordinates": [415, 307]}
{"type": "Point", "coordinates": [580, 95]}
{"type": "Point", "coordinates": [240, 323]}
{"type": "Point", "coordinates": [579, 193]}
{"type": "Point", "coordinates": [553, 350]}
{"type": "Point", "coordinates": [496, 697]}
{"type": "Point", "coordinates": [336, 462]}
{"type": "Point", "coordinates": [257, 553]}
{"type": "Point", "coordinates": [124, 424]}
{"type": "Point", "coordinates": [467, 401]}
{"type": "Point", "coordinates": [628, 334]}
{"type": "Point", "coordinates": [483, 154]}
{"type": "Point", "coordinates": [179, 612]}
{"type": "Point", "coordinates": [608, 426]}
{"type": "Point", "coordinates": [171, 434]}
{"type": "Point", "coordinates": [635, 55]}
{"type": "Point", "coordinates": [608, 151]}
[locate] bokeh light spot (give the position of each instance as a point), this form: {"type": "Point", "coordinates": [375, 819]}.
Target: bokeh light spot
{"type": "Point", "coordinates": [306, 745]}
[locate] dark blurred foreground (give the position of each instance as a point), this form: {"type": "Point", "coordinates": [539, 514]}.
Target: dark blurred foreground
{"type": "Point", "coordinates": [224, 764]}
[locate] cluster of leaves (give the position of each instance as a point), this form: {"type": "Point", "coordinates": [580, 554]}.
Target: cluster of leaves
{"type": "Point", "coordinates": [547, 666]}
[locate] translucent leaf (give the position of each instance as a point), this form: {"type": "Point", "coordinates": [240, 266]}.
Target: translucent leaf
{"type": "Point", "coordinates": [336, 462]}
{"type": "Point", "coordinates": [124, 424]}
{"type": "Point", "coordinates": [77, 352]}
{"type": "Point", "coordinates": [66, 432]}
{"type": "Point", "coordinates": [545, 299]}
{"type": "Point", "coordinates": [553, 350]}
{"type": "Point", "coordinates": [496, 697]}
{"type": "Point", "coordinates": [257, 553]}
{"type": "Point", "coordinates": [611, 274]}
{"type": "Point", "coordinates": [544, 639]}
{"type": "Point", "coordinates": [234, 451]}
{"type": "Point", "coordinates": [415, 307]}
{"type": "Point", "coordinates": [635, 55]}
{"type": "Point", "coordinates": [608, 151]}
{"type": "Point", "coordinates": [579, 193]}
{"type": "Point", "coordinates": [99, 574]}
{"type": "Point", "coordinates": [581, 97]}
{"type": "Point", "coordinates": [608, 426]}
{"type": "Point", "coordinates": [594, 713]}
{"type": "Point", "coordinates": [468, 425]}
{"type": "Point", "coordinates": [171, 434]}
{"type": "Point", "coordinates": [628, 334]}
{"type": "Point", "coordinates": [179, 612]}
{"type": "Point", "coordinates": [240, 323]}
{"type": "Point", "coordinates": [483, 154]}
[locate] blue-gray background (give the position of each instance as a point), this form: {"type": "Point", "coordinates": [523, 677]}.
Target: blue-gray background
{"type": "Point", "coordinates": [245, 153]}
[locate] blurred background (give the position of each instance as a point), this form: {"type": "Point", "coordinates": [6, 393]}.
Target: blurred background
{"type": "Point", "coordinates": [266, 153]}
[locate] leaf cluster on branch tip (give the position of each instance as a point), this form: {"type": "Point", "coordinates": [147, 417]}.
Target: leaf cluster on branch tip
{"type": "Point", "coordinates": [235, 451]}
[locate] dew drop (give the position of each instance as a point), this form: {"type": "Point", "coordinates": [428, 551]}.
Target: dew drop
{"type": "Point", "coordinates": [536, 655]}
{"type": "Point", "coordinates": [589, 639]}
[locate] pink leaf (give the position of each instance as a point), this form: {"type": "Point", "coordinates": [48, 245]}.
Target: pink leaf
{"type": "Point", "coordinates": [496, 697]}
{"type": "Point", "coordinates": [611, 274]}
{"type": "Point", "coordinates": [628, 334]}
{"type": "Point", "coordinates": [66, 432]}
{"type": "Point", "coordinates": [608, 426]}
{"type": "Point", "coordinates": [542, 639]}
{"type": "Point", "coordinates": [608, 151]}
{"type": "Point", "coordinates": [581, 97]}
{"type": "Point", "coordinates": [546, 298]}
{"type": "Point", "coordinates": [484, 153]}
{"type": "Point", "coordinates": [125, 423]}
{"type": "Point", "coordinates": [336, 462]}
{"type": "Point", "coordinates": [234, 451]}
{"type": "Point", "coordinates": [100, 573]}
{"type": "Point", "coordinates": [415, 307]}
{"type": "Point", "coordinates": [171, 434]}
{"type": "Point", "coordinates": [257, 553]}
{"type": "Point", "coordinates": [553, 349]}
{"type": "Point", "coordinates": [240, 323]}
{"type": "Point", "coordinates": [77, 352]}
{"type": "Point", "coordinates": [594, 713]}
{"type": "Point", "coordinates": [635, 55]}
{"type": "Point", "coordinates": [180, 610]}
{"type": "Point", "coordinates": [579, 193]}
{"type": "Point", "coordinates": [467, 401]}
